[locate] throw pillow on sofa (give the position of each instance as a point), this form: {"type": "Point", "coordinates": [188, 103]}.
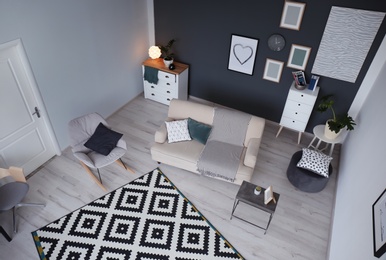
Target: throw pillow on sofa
{"type": "Point", "coordinates": [198, 131]}
{"type": "Point", "coordinates": [315, 161]}
{"type": "Point", "coordinates": [178, 131]}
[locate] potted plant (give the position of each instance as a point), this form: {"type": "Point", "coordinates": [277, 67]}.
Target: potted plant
{"type": "Point", "coordinates": [166, 52]}
{"type": "Point", "coordinates": [337, 123]}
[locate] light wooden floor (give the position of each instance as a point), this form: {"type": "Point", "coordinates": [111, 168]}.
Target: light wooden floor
{"type": "Point", "coordinates": [299, 229]}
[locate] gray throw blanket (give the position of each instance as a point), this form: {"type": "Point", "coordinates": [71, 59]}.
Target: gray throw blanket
{"type": "Point", "coordinates": [151, 75]}
{"type": "Point", "coordinates": [222, 153]}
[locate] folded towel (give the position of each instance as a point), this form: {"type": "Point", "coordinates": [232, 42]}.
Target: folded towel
{"type": "Point", "coordinates": [151, 75]}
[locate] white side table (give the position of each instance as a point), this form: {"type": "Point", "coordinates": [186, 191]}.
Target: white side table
{"type": "Point", "coordinates": [319, 134]}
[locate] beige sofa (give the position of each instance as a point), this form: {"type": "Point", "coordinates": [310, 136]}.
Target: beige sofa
{"type": "Point", "coordinates": [186, 154]}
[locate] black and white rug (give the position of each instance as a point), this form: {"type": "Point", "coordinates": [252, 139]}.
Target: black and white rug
{"type": "Point", "coordinates": [148, 218]}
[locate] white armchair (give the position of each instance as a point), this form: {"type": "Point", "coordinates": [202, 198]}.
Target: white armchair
{"type": "Point", "coordinates": [95, 145]}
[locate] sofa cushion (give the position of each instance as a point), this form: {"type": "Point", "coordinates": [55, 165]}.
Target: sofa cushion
{"type": "Point", "coordinates": [181, 154]}
{"type": "Point", "coordinates": [198, 131]}
{"type": "Point", "coordinates": [103, 140]}
{"type": "Point", "coordinates": [315, 161]}
{"type": "Point", "coordinates": [178, 131]}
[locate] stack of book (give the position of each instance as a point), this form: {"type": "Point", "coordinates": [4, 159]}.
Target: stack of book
{"type": "Point", "coordinates": [313, 82]}
{"type": "Point", "coordinates": [299, 78]}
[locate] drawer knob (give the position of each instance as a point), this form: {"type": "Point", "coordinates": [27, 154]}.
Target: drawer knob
{"type": "Point", "coordinates": [296, 113]}
{"type": "Point", "coordinates": [168, 92]}
{"type": "Point", "coordinates": [168, 84]}
{"type": "Point", "coordinates": [152, 94]}
{"type": "Point", "coordinates": [299, 105]}
{"type": "Point", "coordinates": [302, 95]}
{"type": "Point", "coordinates": [293, 121]}
{"type": "Point", "coordinates": [168, 99]}
{"type": "Point", "coordinates": [152, 86]}
{"type": "Point", "coordinates": [167, 77]}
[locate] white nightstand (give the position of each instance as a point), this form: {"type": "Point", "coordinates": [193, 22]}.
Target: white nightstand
{"type": "Point", "coordinates": [297, 109]}
{"type": "Point", "coordinates": [171, 83]}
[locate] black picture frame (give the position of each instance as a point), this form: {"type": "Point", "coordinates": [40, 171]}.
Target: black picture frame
{"type": "Point", "coordinates": [379, 225]}
{"type": "Point", "coordinates": [242, 54]}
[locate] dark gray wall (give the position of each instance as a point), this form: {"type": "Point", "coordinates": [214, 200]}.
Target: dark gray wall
{"type": "Point", "coordinates": [203, 30]}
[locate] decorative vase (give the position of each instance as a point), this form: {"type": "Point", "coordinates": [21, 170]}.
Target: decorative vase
{"type": "Point", "coordinates": [330, 134]}
{"type": "Point", "coordinates": [168, 62]}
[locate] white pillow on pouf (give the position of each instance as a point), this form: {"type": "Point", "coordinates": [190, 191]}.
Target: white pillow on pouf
{"type": "Point", "coordinates": [178, 131]}
{"type": "Point", "coordinates": [315, 161]}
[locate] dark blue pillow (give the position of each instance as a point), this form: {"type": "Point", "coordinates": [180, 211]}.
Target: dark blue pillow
{"type": "Point", "coordinates": [104, 140]}
{"type": "Point", "coordinates": [198, 131]}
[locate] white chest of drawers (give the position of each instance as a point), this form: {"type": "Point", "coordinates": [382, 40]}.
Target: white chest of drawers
{"type": "Point", "coordinates": [297, 109]}
{"type": "Point", "coordinates": [171, 83]}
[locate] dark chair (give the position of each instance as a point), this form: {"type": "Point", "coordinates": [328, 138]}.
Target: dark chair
{"type": "Point", "coordinates": [13, 189]}
{"type": "Point", "coordinates": [303, 179]}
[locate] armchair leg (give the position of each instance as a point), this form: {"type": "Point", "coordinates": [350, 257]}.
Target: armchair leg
{"type": "Point", "coordinates": [93, 176]}
{"type": "Point", "coordinates": [23, 205]}
{"type": "Point", "coordinates": [119, 161]}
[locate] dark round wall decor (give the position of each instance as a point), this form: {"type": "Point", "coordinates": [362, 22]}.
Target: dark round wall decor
{"type": "Point", "coordinates": [276, 42]}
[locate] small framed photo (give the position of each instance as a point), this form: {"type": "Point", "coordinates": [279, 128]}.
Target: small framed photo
{"type": "Point", "coordinates": [273, 70]}
{"type": "Point", "coordinates": [242, 54]}
{"type": "Point", "coordinates": [298, 57]}
{"type": "Point", "coordinates": [292, 15]}
{"type": "Point", "coordinates": [268, 195]}
{"type": "Point", "coordinates": [379, 225]}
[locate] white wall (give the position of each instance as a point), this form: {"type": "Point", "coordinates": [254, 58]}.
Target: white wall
{"type": "Point", "coordinates": [85, 55]}
{"type": "Point", "coordinates": [362, 176]}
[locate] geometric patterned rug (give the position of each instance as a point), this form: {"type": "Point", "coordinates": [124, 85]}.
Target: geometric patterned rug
{"type": "Point", "coordinates": [149, 218]}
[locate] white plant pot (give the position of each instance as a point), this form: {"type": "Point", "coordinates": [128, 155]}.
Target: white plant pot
{"type": "Point", "coordinates": [330, 134]}
{"type": "Point", "coordinates": [168, 62]}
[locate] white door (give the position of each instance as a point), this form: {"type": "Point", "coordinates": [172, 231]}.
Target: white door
{"type": "Point", "coordinates": [26, 136]}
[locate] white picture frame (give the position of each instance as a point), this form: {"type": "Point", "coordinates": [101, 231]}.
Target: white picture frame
{"type": "Point", "coordinates": [292, 15]}
{"type": "Point", "coordinates": [298, 57]}
{"type": "Point", "coordinates": [268, 195]}
{"type": "Point", "coordinates": [273, 70]}
{"type": "Point", "coordinates": [242, 54]}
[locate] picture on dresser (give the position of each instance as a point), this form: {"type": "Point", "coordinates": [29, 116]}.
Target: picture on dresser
{"type": "Point", "coordinates": [242, 54]}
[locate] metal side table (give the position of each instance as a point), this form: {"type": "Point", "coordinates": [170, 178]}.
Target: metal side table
{"type": "Point", "coordinates": [246, 195]}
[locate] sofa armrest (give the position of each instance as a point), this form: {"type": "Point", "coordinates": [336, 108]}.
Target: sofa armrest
{"type": "Point", "coordinates": [161, 134]}
{"type": "Point", "coordinates": [252, 151]}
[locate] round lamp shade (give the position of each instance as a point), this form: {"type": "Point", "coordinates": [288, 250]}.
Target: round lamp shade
{"type": "Point", "coordinates": [154, 52]}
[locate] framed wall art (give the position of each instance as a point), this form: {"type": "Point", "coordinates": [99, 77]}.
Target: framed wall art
{"type": "Point", "coordinates": [346, 41]}
{"type": "Point", "coordinates": [273, 70]}
{"type": "Point", "coordinates": [242, 54]}
{"type": "Point", "coordinates": [298, 57]}
{"type": "Point", "coordinates": [379, 225]}
{"type": "Point", "coordinates": [292, 15]}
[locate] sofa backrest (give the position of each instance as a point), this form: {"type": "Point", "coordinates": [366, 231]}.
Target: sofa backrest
{"type": "Point", "coordinates": [181, 109]}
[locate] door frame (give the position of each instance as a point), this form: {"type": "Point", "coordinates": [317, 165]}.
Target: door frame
{"type": "Point", "coordinates": [35, 90]}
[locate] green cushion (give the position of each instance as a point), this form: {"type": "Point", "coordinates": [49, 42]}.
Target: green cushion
{"type": "Point", "coordinates": [198, 131]}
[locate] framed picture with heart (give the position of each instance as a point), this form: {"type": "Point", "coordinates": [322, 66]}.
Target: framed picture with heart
{"type": "Point", "coordinates": [242, 54]}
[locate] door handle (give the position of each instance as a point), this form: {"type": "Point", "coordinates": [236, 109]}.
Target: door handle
{"type": "Point", "coordinates": [37, 112]}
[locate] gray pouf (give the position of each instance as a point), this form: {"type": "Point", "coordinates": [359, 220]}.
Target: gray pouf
{"type": "Point", "coordinates": [303, 179]}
